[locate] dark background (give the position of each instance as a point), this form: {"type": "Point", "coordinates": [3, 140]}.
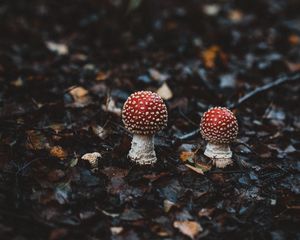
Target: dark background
{"type": "Point", "coordinates": [54, 99]}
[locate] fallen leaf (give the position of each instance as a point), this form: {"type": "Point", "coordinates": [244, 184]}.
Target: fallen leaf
{"type": "Point", "coordinates": [18, 82]}
{"type": "Point", "coordinates": [168, 205]}
{"type": "Point", "coordinates": [157, 76]}
{"type": "Point", "coordinates": [186, 156]}
{"type": "Point", "coordinates": [188, 228]}
{"type": "Point", "coordinates": [59, 152]}
{"type": "Point", "coordinates": [209, 56]}
{"type": "Point", "coordinates": [206, 212]}
{"type": "Point", "coordinates": [111, 107]}
{"type": "Point", "coordinates": [131, 215]}
{"type": "Point", "coordinates": [36, 140]}
{"type": "Point", "coordinates": [211, 9]}
{"type": "Point", "coordinates": [78, 92]}
{"type": "Point", "coordinates": [100, 131]}
{"type": "Point", "coordinates": [116, 230]}
{"type": "Point", "coordinates": [235, 15]}
{"type": "Point", "coordinates": [101, 76]}
{"type": "Point", "coordinates": [80, 96]}
{"type": "Point", "coordinates": [293, 67]}
{"type": "Point", "coordinates": [92, 158]}
{"type": "Point", "coordinates": [165, 92]}
{"type": "Point", "coordinates": [59, 48]}
{"type": "Point", "coordinates": [294, 39]}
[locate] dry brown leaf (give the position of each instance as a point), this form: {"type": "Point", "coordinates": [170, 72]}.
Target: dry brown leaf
{"type": "Point", "coordinates": [161, 231]}
{"type": "Point", "coordinates": [293, 67]}
{"type": "Point", "coordinates": [59, 152]}
{"type": "Point", "coordinates": [186, 155]}
{"type": "Point", "coordinates": [209, 56]}
{"type": "Point", "coordinates": [165, 92]}
{"type": "Point", "coordinates": [188, 228]}
{"type": "Point", "coordinates": [78, 92]}
{"type": "Point", "coordinates": [80, 96]}
{"type": "Point", "coordinates": [101, 76]}
{"type": "Point", "coordinates": [206, 212]}
{"type": "Point", "coordinates": [235, 15]}
{"type": "Point", "coordinates": [294, 39]}
{"type": "Point", "coordinates": [36, 140]}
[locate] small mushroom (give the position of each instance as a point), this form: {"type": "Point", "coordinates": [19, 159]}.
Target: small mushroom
{"type": "Point", "coordinates": [219, 127]}
{"type": "Point", "coordinates": [144, 114]}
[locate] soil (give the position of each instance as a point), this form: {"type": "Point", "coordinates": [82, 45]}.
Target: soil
{"type": "Point", "coordinates": [66, 69]}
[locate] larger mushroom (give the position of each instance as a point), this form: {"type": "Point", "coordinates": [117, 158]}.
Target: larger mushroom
{"type": "Point", "coordinates": [144, 114]}
{"type": "Point", "coordinates": [219, 127]}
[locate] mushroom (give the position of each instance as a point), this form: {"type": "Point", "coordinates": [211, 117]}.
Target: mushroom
{"type": "Point", "coordinates": [219, 127]}
{"type": "Point", "coordinates": [144, 114]}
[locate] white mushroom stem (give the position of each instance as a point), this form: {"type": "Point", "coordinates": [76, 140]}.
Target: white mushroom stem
{"type": "Point", "coordinates": [219, 153]}
{"type": "Point", "coordinates": [142, 149]}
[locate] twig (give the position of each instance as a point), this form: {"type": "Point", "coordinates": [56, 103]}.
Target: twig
{"type": "Point", "coordinates": [225, 172]}
{"type": "Point", "coordinates": [189, 135]}
{"type": "Point", "coordinates": [186, 118]}
{"type": "Point", "coordinates": [264, 88]}
{"type": "Point", "coordinates": [248, 96]}
{"type": "Point", "coordinates": [203, 77]}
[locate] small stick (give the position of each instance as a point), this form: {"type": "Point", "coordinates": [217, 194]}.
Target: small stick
{"type": "Point", "coordinates": [189, 135]}
{"type": "Point", "coordinates": [264, 88]}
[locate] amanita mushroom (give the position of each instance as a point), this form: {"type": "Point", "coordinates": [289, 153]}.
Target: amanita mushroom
{"type": "Point", "coordinates": [219, 127]}
{"type": "Point", "coordinates": [144, 114]}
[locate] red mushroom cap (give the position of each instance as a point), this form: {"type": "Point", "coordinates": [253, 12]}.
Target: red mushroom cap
{"type": "Point", "coordinates": [144, 113]}
{"type": "Point", "coordinates": [219, 125]}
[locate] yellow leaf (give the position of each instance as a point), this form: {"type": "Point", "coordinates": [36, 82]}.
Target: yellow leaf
{"type": "Point", "coordinates": [185, 155]}
{"type": "Point", "coordinates": [59, 152]}
{"type": "Point", "coordinates": [188, 228]}
{"type": "Point", "coordinates": [209, 56]}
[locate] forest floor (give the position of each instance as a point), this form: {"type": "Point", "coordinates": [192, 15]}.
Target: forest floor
{"type": "Point", "coordinates": [66, 69]}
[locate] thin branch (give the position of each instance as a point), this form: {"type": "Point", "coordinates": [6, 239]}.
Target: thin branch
{"type": "Point", "coordinates": [266, 87]}
{"type": "Point", "coordinates": [189, 135]}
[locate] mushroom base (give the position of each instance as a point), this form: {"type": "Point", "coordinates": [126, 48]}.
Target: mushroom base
{"type": "Point", "coordinates": [219, 153]}
{"type": "Point", "coordinates": [142, 149]}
